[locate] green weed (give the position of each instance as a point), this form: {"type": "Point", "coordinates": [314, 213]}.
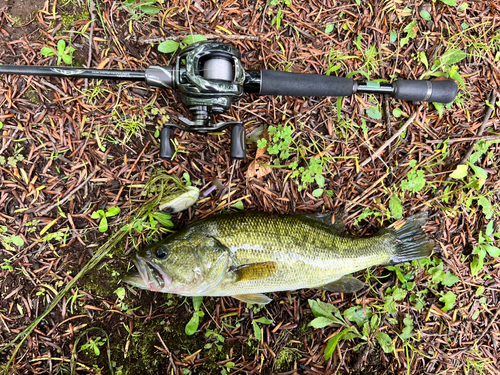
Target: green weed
{"type": "Point", "coordinates": [171, 46]}
{"type": "Point", "coordinates": [62, 52]}
{"type": "Point", "coordinates": [484, 246]}
{"type": "Point", "coordinates": [194, 322]}
{"type": "Point", "coordinates": [103, 223]}
{"type": "Point", "coordinates": [10, 240]}
{"type": "Point", "coordinates": [93, 345]}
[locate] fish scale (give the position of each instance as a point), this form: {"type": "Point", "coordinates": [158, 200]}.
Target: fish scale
{"type": "Point", "coordinates": [246, 254]}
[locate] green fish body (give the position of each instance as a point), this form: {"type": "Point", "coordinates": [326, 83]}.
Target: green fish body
{"type": "Point", "coordinates": [246, 254]}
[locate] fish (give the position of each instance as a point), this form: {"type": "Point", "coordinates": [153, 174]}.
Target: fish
{"type": "Point", "coordinates": [247, 254]}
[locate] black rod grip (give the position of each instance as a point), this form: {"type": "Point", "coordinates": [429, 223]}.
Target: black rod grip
{"type": "Point", "coordinates": [425, 91]}
{"type": "Point", "coordinates": [167, 148]}
{"type": "Point", "coordinates": [238, 142]}
{"type": "Point", "coordinates": [303, 84]}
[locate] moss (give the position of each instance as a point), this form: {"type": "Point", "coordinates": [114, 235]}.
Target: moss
{"type": "Point", "coordinates": [68, 19]}
{"type": "Point", "coordinates": [285, 359]}
{"type": "Point", "coordinates": [32, 96]}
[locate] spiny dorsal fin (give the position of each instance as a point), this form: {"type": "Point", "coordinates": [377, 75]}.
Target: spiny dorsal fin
{"type": "Point", "coordinates": [254, 271]}
{"type": "Point", "coordinates": [326, 218]}
{"type": "Point", "coordinates": [258, 299]}
{"type": "Point", "coordinates": [345, 284]}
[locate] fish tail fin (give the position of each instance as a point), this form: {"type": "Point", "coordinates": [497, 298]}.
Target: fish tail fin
{"type": "Point", "coordinates": [411, 240]}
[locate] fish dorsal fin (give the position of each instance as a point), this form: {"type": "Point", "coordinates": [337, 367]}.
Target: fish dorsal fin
{"type": "Point", "coordinates": [258, 299]}
{"type": "Point", "coordinates": [326, 218]}
{"type": "Point", "coordinates": [254, 271]}
{"type": "Point", "coordinates": [345, 284]}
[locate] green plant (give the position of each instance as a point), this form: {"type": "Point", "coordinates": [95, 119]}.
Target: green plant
{"type": "Point", "coordinates": [194, 322]}
{"type": "Point", "coordinates": [411, 32]}
{"type": "Point", "coordinates": [63, 53]}
{"type": "Point", "coordinates": [10, 240]}
{"type": "Point", "coordinates": [256, 329]}
{"type": "Point", "coordinates": [171, 46]}
{"type": "Point", "coordinates": [477, 180]}
{"type": "Point", "coordinates": [484, 246]}
{"type": "Point", "coordinates": [216, 337]}
{"type": "Point", "coordinates": [327, 314]}
{"type": "Point", "coordinates": [143, 7]}
{"type": "Point", "coordinates": [103, 224]}
{"type": "Point", "coordinates": [279, 14]}
{"type": "Point", "coordinates": [94, 345]}
{"type": "Point", "coordinates": [415, 180]}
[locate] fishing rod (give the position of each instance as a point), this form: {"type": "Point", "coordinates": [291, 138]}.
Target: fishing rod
{"type": "Point", "coordinates": [210, 77]}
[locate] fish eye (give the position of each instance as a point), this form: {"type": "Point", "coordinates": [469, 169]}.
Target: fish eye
{"type": "Point", "coordinates": [161, 254]}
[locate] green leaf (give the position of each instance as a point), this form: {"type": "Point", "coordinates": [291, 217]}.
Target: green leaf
{"type": "Point", "coordinates": [150, 10]}
{"type": "Point", "coordinates": [384, 341]}
{"type": "Point", "coordinates": [396, 207]}
{"type": "Point", "coordinates": [103, 225]}
{"type": "Point", "coordinates": [406, 333]}
{"type": "Point", "coordinates": [486, 206]}
{"type": "Point", "coordinates": [399, 294]}
{"type": "Point", "coordinates": [489, 229]}
{"type": "Point", "coordinates": [120, 293]}
{"type": "Point", "coordinates": [396, 112]}
{"type": "Point", "coordinates": [415, 182]}
{"type": "Point", "coordinates": [192, 325]}
{"type": "Point", "coordinates": [492, 250]}
{"type": "Point", "coordinates": [452, 57]}
{"type": "Point", "coordinates": [168, 46]}
{"type": "Point", "coordinates": [320, 180]}
{"type": "Point", "coordinates": [356, 314]}
{"type": "Point", "coordinates": [238, 205]}
{"type": "Point", "coordinates": [478, 171]}
{"type": "Point", "coordinates": [393, 37]}
{"type": "Point", "coordinates": [328, 29]}
{"type": "Point", "coordinates": [197, 302]}
{"type": "Point", "coordinates": [46, 51]}
{"type": "Point", "coordinates": [440, 108]}
{"type": "Point", "coordinates": [190, 39]}
{"type": "Point", "coordinates": [163, 218]}
{"type": "Point", "coordinates": [449, 300]}
{"type": "Point", "coordinates": [460, 172]}
{"type": "Point", "coordinates": [320, 308]}
{"type": "Point", "coordinates": [332, 343]}
{"type": "Point", "coordinates": [97, 214]}
{"type": "Point", "coordinates": [374, 113]}
{"type": "Point", "coordinates": [450, 279]}
{"type": "Point", "coordinates": [113, 211]}
{"type": "Point", "coordinates": [317, 193]}
{"type": "Point", "coordinates": [17, 240]}
{"type": "Point", "coordinates": [463, 7]}
{"type": "Point", "coordinates": [67, 59]}
{"type": "Point", "coordinates": [450, 2]}
{"type": "Point", "coordinates": [321, 322]}
{"type": "Point", "coordinates": [256, 331]}
{"type": "Point", "coordinates": [425, 15]}
{"type": "Point", "coordinates": [476, 266]}
{"type": "Point", "coordinates": [263, 320]}
{"type": "Point", "coordinates": [61, 46]}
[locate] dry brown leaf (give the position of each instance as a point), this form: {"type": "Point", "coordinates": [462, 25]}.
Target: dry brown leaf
{"type": "Point", "coordinates": [252, 169]}
{"type": "Point", "coordinates": [263, 171]}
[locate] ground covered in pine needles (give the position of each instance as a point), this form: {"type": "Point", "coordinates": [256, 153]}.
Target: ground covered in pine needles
{"type": "Point", "coordinates": [72, 147]}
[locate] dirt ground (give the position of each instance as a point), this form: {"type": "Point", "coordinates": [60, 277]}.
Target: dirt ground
{"type": "Point", "coordinates": [96, 143]}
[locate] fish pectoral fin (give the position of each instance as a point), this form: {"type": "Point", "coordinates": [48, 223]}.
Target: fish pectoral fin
{"type": "Point", "coordinates": [254, 271]}
{"type": "Point", "coordinates": [345, 284]}
{"type": "Point", "coordinates": [258, 299]}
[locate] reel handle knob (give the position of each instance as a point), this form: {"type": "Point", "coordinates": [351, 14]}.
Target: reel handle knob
{"type": "Point", "coordinates": [167, 149]}
{"type": "Point", "coordinates": [238, 142]}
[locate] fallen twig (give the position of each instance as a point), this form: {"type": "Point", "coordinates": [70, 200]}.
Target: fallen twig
{"type": "Point", "coordinates": [489, 111]}
{"type": "Point", "coordinates": [159, 39]}
{"type": "Point", "coordinates": [62, 201]}
{"type": "Point", "coordinates": [390, 140]}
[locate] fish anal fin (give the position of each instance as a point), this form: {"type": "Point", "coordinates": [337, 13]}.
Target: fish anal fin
{"type": "Point", "coordinates": [345, 284]}
{"type": "Point", "coordinates": [258, 299]}
{"type": "Point", "coordinates": [254, 271]}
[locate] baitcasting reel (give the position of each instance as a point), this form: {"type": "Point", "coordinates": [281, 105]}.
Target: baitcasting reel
{"type": "Point", "coordinates": [210, 77]}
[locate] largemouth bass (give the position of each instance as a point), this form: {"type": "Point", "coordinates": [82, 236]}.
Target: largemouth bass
{"type": "Point", "coordinates": [244, 255]}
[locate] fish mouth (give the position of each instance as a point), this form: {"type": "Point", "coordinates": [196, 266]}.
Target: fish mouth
{"type": "Point", "coordinates": [148, 275]}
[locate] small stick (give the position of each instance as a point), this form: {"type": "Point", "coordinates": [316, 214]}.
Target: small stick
{"type": "Point", "coordinates": [467, 139]}
{"type": "Point", "coordinates": [159, 39]}
{"type": "Point", "coordinates": [489, 110]}
{"type": "Point", "coordinates": [131, 169]}
{"type": "Point", "coordinates": [92, 18]}
{"type": "Point", "coordinates": [390, 140]}
{"type": "Point", "coordinates": [62, 201]}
